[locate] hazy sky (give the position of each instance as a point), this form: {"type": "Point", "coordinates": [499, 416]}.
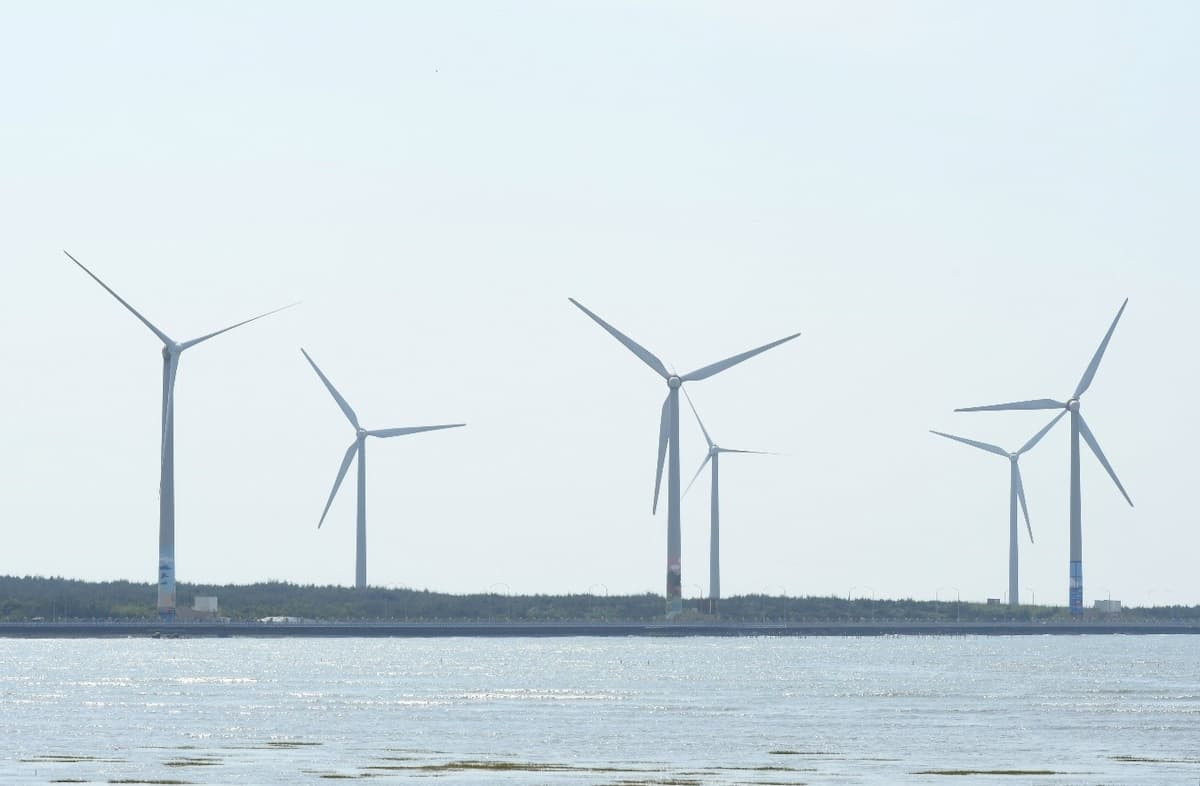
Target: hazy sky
{"type": "Point", "coordinates": [949, 201]}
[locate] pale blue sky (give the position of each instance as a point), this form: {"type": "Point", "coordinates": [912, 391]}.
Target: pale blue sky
{"type": "Point", "coordinates": [949, 200]}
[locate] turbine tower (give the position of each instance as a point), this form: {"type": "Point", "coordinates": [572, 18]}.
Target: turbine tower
{"type": "Point", "coordinates": [359, 448]}
{"type": "Point", "coordinates": [1078, 428]}
{"type": "Point", "coordinates": [1016, 492]}
{"type": "Point", "coordinates": [166, 490]}
{"type": "Point", "coordinates": [668, 437]}
{"type": "Point", "coordinates": [714, 537]}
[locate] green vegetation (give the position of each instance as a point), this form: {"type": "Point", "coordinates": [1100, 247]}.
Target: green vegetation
{"type": "Point", "coordinates": [29, 598]}
{"type": "Point", "coordinates": [986, 772]}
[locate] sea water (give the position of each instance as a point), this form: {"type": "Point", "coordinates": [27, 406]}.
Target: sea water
{"type": "Point", "coordinates": [871, 710]}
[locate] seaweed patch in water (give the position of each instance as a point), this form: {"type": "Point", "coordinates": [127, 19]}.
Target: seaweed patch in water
{"type": "Point", "coordinates": [987, 772]}
{"type": "Point", "coordinates": [194, 761]}
{"type": "Point", "coordinates": [800, 753]}
{"type": "Point", "coordinates": [60, 758]}
{"type": "Point", "coordinates": [157, 781]}
{"type": "Point", "coordinates": [1150, 760]}
{"type": "Point", "coordinates": [485, 765]}
{"type": "Point", "coordinates": [470, 764]}
{"type": "Point", "coordinates": [290, 744]}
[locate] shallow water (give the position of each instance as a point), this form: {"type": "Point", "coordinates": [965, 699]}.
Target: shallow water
{"type": "Point", "coordinates": [1080, 709]}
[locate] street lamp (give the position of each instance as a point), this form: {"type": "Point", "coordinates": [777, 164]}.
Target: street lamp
{"type": "Point", "coordinates": [507, 594]}
{"type": "Point", "coordinates": [1032, 599]}
{"type": "Point", "coordinates": [782, 595]}
{"type": "Point", "coordinates": [871, 599]}
{"type": "Point", "coordinates": [957, 599]}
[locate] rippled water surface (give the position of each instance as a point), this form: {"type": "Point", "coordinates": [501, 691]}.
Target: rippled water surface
{"type": "Point", "coordinates": [1009, 710]}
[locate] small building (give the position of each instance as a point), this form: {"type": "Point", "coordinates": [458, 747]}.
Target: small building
{"type": "Point", "coordinates": [993, 601]}
{"type": "Point", "coordinates": [205, 604]}
{"type": "Point", "coordinates": [1108, 606]}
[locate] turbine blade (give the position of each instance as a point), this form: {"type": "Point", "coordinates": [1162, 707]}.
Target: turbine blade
{"type": "Point", "coordinates": [707, 438]}
{"type": "Point", "coordinates": [721, 365]}
{"type": "Point", "coordinates": [1021, 499]}
{"type": "Point", "coordinates": [703, 464]}
{"type": "Point", "coordinates": [1036, 438]}
{"type": "Point", "coordinates": [755, 452]}
{"type": "Point", "coordinates": [341, 402]}
{"type": "Point", "coordinates": [163, 337]}
{"type": "Point", "coordinates": [646, 355]}
{"type": "Point", "coordinates": [196, 341]}
{"type": "Point", "coordinates": [664, 434]}
{"type": "Point", "coordinates": [1090, 439]}
{"type": "Point", "coordinates": [1086, 380]}
{"type": "Point", "coordinates": [999, 451]}
{"type": "Point", "coordinates": [400, 432]}
{"type": "Point", "coordinates": [1037, 403]}
{"type": "Point", "coordinates": [340, 476]}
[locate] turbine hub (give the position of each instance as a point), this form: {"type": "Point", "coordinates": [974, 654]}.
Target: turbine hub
{"type": "Point", "coordinates": [362, 432]}
{"type": "Point", "coordinates": [1073, 405]}
{"type": "Point", "coordinates": [673, 382]}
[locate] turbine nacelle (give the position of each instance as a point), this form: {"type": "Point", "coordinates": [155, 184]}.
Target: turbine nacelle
{"type": "Point", "coordinates": [1073, 405]}
{"type": "Point", "coordinates": [674, 382]}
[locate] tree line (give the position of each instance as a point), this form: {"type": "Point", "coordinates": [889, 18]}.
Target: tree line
{"type": "Point", "coordinates": [33, 597]}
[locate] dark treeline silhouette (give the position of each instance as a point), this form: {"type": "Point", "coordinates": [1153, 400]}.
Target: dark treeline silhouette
{"type": "Point", "coordinates": [31, 598]}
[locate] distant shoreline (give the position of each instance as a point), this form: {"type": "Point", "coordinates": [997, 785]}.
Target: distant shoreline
{"type": "Point", "coordinates": [108, 630]}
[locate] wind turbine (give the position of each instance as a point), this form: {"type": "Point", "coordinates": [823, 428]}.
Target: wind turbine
{"type": "Point", "coordinates": [166, 490]}
{"type": "Point", "coordinates": [1016, 492]}
{"type": "Point", "coordinates": [359, 448]}
{"type": "Point", "coordinates": [714, 537]}
{"type": "Point", "coordinates": [668, 437]}
{"type": "Point", "coordinates": [1078, 428]}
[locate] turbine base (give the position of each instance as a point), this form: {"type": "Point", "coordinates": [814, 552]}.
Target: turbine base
{"type": "Point", "coordinates": [166, 588]}
{"type": "Point", "coordinates": [674, 591]}
{"type": "Point", "coordinates": [1076, 589]}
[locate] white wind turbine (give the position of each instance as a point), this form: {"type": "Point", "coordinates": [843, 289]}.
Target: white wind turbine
{"type": "Point", "coordinates": [668, 437]}
{"type": "Point", "coordinates": [166, 497]}
{"type": "Point", "coordinates": [1078, 428]}
{"type": "Point", "coordinates": [1016, 493]}
{"type": "Point", "coordinates": [359, 448]}
{"type": "Point", "coordinates": [714, 538]}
